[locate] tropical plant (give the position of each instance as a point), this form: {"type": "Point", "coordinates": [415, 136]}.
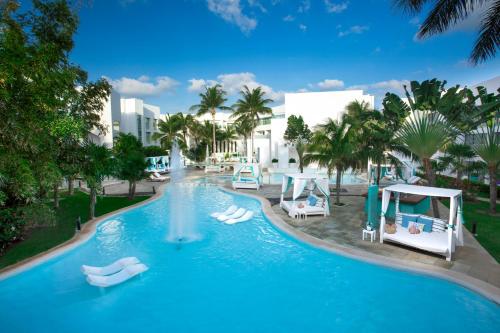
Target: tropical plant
{"type": "Point", "coordinates": [130, 161]}
{"type": "Point", "coordinates": [97, 165]}
{"type": "Point", "coordinates": [244, 129]}
{"type": "Point", "coordinates": [169, 130]}
{"type": "Point", "coordinates": [334, 147]}
{"type": "Point", "coordinates": [299, 135]}
{"type": "Point", "coordinates": [251, 107]}
{"type": "Point", "coordinates": [212, 99]}
{"type": "Point", "coordinates": [152, 151]}
{"type": "Point", "coordinates": [424, 134]}
{"type": "Point", "coordinates": [456, 158]}
{"type": "Point", "coordinates": [445, 14]}
{"type": "Point", "coordinates": [488, 148]}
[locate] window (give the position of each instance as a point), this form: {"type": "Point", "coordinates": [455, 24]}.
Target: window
{"type": "Point", "coordinates": [139, 127]}
{"type": "Point", "coordinates": [155, 124]}
{"type": "Point", "coordinates": [148, 137]}
{"type": "Point", "coordinates": [148, 123]}
{"type": "Point", "coordinates": [265, 121]}
{"type": "Point", "coordinates": [116, 126]}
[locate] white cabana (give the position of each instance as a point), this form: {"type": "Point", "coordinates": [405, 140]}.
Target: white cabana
{"type": "Point", "coordinates": [444, 235]}
{"type": "Point", "coordinates": [300, 182]}
{"type": "Point", "coordinates": [247, 175]}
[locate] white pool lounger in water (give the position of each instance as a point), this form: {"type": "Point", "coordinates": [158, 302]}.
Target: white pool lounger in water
{"type": "Point", "coordinates": [110, 269]}
{"type": "Point", "coordinates": [228, 211]}
{"type": "Point", "coordinates": [237, 214]}
{"type": "Point", "coordinates": [114, 279]}
{"type": "Point", "coordinates": [247, 216]}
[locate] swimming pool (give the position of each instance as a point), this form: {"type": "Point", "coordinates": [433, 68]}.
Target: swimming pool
{"type": "Point", "coordinates": [277, 179]}
{"type": "Point", "coordinates": [248, 277]}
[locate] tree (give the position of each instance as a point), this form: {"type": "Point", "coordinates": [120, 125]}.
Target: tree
{"type": "Point", "coordinates": [130, 161]}
{"type": "Point", "coordinates": [488, 148]}
{"type": "Point", "coordinates": [424, 134]}
{"type": "Point", "coordinates": [333, 146]}
{"type": "Point", "coordinates": [169, 131]}
{"type": "Point", "coordinates": [251, 107]}
{"type": "Point", "coordinates": [97, 165]}
{"type": "Point", "coordinates": [445, 14]}
{"type": "Point", "coordinates": [244, 129]}
{"type": "Point", "coordinates": [212, 99]}
{"type": "Point", "coordinates": [298, 133]}
{"type": "Point", "coordinates": [456, 158]}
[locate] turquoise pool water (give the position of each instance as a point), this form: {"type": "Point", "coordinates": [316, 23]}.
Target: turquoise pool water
{"type": "Point", "coordinates": [277, 179]}
{"type": "Point", "coordinates": [247, 277]}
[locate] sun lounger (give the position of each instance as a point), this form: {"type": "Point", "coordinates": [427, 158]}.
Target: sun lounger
{"type": "Point", "coordinates": [247, 216]}
{"type": "Point", "coordinates": [110, 269]}
{"type": "Point", "coordinates": [228, 211]}
{"type": "Point", "coordinates": [154, 178]}
{"type": "Point", "coordinates": [120, 277]}
{"type": "Point", "coordinates": [237, 214]}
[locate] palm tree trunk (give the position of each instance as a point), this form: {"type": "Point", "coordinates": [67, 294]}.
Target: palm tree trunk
{"type": "Point", "coordinates": [131, 189]}
{"type": "Point", "coordinates": [337, 186]}
{"type": "Point", "coordinates": [93, 194]}
{"type": "Point", "coordinates": [252, 146]}
{"type": "Point", "coordinates": [459, 178]}
{"type": "Point", "coordinates": [71, 186]}
{"type": "Point", "coordinates": [431, 179]}
{"type": "Point", "coordinates": [379, 165]}
{"type": "Point", "coordinates": [56, 196]}
{"type": "Point", "coordinates": [493, 189]}
{"type": "Point", "coordinates": [213, 131]}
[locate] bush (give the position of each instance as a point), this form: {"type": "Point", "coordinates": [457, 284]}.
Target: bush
{"type": "Point", "coordinates": [153, 151]}
{"type": "Point", "coordinates": [11, 227]}
{"type": "Point", "coordinates": [37, 215]}
{"type": "Point", "coordinates": [274, 160]}
{"type": "Point", "coordinates": [292, 160]}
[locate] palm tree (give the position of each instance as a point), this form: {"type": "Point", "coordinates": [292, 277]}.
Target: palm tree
{"type": "Point", "coordinates": [170, 130]}
{"type": "Point", "coordinates": [488, 148]}
{"type": "Point", "coordinates": [445, 14]}
{"type": "Point", "coordinates": [456, 158]}
{"type": "Point", "coordinates": [251, 107]}
{"type": "Point", "coordinates": [334, 147]}
{"type": "Point", "coordinates": [212, 99]}
{"type": "Point", "coordinates": [424, 134]}
{"type": "Point", "coordinates": [244, 129]}
{"type": "Point", "coordinates": [185, 123]}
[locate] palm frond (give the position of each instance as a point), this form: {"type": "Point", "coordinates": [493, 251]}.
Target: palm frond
{"type": "Point", "coordinates": [487, 43]}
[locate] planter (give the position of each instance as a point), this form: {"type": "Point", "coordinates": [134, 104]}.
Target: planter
{"type": "Point", "coordinates": [275, 165]}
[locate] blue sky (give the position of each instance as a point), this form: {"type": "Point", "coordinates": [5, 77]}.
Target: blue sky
{"type": "Point", "coordinates": [164, 51]}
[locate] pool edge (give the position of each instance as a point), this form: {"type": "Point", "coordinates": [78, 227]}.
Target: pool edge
{"type": "Point", "coordinates": [483, 288]}
{"type": "Point", "coordinates": [87, 232]}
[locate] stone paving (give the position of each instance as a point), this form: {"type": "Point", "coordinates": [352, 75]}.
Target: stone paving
{"type": "Point", "coordinates": [344, 227]}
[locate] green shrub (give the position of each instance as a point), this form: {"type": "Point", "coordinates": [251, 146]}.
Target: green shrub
{"type": "Point", "coordinates": [11, 227]}
{"type": "Point", "coordinates": [37, 215]}
{"type": "Point", "coordinates": [292, 160]}
{"type": "Point", "coordinates": [274, 160]}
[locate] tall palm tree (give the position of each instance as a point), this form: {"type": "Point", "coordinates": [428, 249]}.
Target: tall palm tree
{"type": "Point", "coordinates": [251, 107]}
{"type": "Point", "coordinates": [244, 129]}
{"type": "Point", "coordinates": [424, 134]}
{"type": "Point", "coordinates": [212, 99]}
{"type": "Point", "coordinates": [488, 148]}
{"type": "Point", "coordinates": [334, 147]}
{"type": "Point", "coordinates": [446, 13]}
{"type": "Point", "coordinates": [169, 131]}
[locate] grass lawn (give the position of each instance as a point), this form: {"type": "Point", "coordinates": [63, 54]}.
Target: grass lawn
{"type": "Point", "coordinates": [488, 227]}
{"type": "Point", "coordinates": [42, 239]}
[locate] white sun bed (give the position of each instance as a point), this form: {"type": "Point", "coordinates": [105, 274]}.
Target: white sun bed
{"type": "Point", "coordinates": [435, 241]}
{"type": "Point", "coordinates": [228, 211]}
{"type": "Point", "coordinates": [111, 268]}
{"type": "Point", "coordinates": [237, 214]}
{"type": "Point", "coordinates": [293, 208]}
{"type": "Point", "coordinates": [247, 216]}
{"type": "Point", "coordinates": [120, 277]}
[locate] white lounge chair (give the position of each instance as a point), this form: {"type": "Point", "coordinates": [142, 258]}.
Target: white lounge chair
{"type": "Point", "coordinates": [110, 269]}
{"type": "Point", "coordinates": [158, 178]}
{"type": "Point", "coordinates": [247, 216]}
{"type": "Point", "coordinates": [228, 211]}
{"type": "Point", "coordinates": [120, 277]}
{"type": "Point", "coordinates": [237, 214]}
{"type": "Point", "coordinates": [413, 180]}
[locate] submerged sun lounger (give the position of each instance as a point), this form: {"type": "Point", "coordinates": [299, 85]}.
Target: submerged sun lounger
{"type": "Point", "coordinates": [247, 216]}
{"type": "Point", "coordinates": [228, 211]}
{"type": "Point", "coordinates": [122, 276]}
{"type": "Point", "coordinates": [110, 269]}
{"type": "Point", "coordinates": [237, 214]}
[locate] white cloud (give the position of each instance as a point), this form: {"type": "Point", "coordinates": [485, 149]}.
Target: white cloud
{"type": "Point", "coordinates": [395, 86]}
{"type": "Point", "coordinates": [304, 6]}
{"type": "Point", "coordinates": [332, 7]}
{"type": "Point", "coordinates": [302, 90]}
{"type": "Point", "coordinates": [256, 3]}
{"type": "Point", "coordinates": [330, 84]}
{"type": "Point", "coordinates": [355, 29]}
{"type": "Point", "coordinates": [289, 18]}
{"type": "Point", "coordinates": [303, 27]}
{"type": "Point", "coordinates": [231, 11]}
{"type": "Point", "coordinates": [233, 83]}
{"type": "Point", "coordinates": [143, 86]}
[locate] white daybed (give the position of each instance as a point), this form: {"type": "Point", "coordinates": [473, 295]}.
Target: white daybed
{"type": "Point", "coordinates": [247, 175]}
{"type": "Point", "coordinates": [300, 181]}
{"type": "Point", "coordinates": [214, 168]}
{"type": "Point", "coordinates": [443, 238]}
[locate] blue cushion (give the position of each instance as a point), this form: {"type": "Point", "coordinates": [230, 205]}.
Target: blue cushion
{"type": "Point", "coordinates": [427, 221]}
{"type": "Point", "coordinates": [311, 200]}
{"type": "Point", "coordinates": [408, 218]}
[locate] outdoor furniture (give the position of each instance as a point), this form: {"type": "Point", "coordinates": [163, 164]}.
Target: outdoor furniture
{"type": "Point", "coordinates": [247, 176]}
{"type": "Point", "coordinates": [408, 203]}
{"type": "Point", "coordinates": [442, 237]}
{"type": "Point", "coordinates": [300, 182]}
{"type": "Point", "coordinates": [371, 233]}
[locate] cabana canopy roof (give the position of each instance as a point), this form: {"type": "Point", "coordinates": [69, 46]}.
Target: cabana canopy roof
{"type": "Point", "coordinates": [424, 190]}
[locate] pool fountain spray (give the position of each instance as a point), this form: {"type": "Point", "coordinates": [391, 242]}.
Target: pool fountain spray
{"type": "Point", "coordinates": [182, 228]}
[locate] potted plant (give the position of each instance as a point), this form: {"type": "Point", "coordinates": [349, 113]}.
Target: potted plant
{"type": "Point", "coordinates": [275, 163]}
{"type": "Point", "coordinates": [292, 163]}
